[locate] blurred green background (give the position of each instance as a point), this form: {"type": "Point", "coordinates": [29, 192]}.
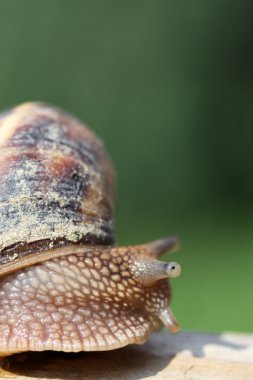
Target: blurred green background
{"type": "Point", "coordinates": [168, 85]}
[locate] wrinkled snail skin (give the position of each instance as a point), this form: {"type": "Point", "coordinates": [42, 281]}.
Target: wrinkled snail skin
{"type": "Point", "coordinates": [64, 285]}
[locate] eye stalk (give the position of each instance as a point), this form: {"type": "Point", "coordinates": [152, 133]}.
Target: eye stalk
{"type": "Point", "coordinates": [149, 270]}
{"type": "Point", "coordinates": [158, 247]}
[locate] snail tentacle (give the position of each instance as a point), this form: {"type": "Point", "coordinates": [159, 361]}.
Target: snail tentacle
{"type": "Point", "coordinates": [169, 321]}
{"type": "Point", "coordinates": [149, 271]}
{"type": "Point", "coordinates": [159, 247]}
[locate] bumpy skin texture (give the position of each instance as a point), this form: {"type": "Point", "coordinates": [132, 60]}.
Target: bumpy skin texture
{"type": "Point", "coordinates": [85, 301]}
{"type": "Point", "coordinates": [57, 182]}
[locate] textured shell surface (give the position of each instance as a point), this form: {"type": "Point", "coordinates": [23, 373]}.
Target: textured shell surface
{"type": "Point", "coordinates": [57, 182]}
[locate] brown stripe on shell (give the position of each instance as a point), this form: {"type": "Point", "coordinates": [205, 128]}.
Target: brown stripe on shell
{"type": "Point", "coordinates": [56, 182]}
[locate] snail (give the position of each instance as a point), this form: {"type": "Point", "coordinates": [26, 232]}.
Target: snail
{"type": "Point", "coordinates": [64, 283]}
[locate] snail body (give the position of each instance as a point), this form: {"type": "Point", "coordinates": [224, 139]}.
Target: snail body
{"type": "Point", "coordinates": [64, 285]}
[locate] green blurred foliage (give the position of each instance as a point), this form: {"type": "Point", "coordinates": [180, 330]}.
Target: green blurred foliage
{"type": "Point", "coordinates": [168, 86]}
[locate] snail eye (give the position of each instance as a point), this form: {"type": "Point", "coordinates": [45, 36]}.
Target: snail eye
{"type": "Point", "coordinates": [173, 269]}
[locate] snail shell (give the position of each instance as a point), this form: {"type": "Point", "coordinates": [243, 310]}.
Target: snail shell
{"type": "Point", "coordinates": [63, 284]}
{"type": "Point", "coordinates": [57, 182]}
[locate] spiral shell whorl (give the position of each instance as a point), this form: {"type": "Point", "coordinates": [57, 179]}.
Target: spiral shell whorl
{"type": "Point", "coordinates": [57, 182]}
